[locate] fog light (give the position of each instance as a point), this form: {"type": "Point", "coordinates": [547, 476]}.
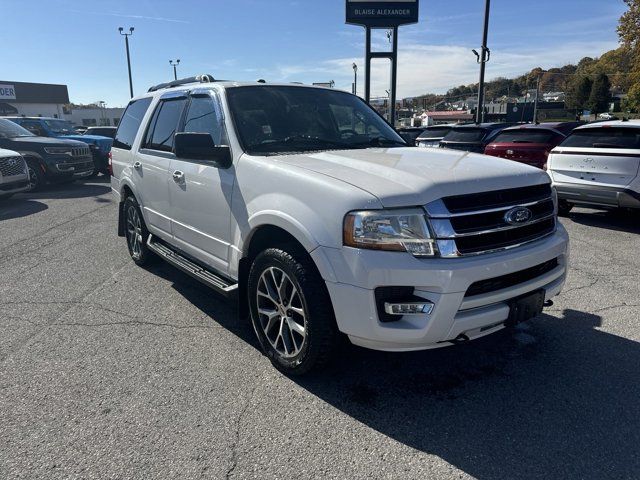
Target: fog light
{"type": "Point", "coordinates": [408, 308]}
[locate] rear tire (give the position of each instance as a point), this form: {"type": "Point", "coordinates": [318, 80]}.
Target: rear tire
{"type": "Point", "coordinates": [36, 177]}
{"type": "Point", "coordinates": [564, 208]}
{"type": "Point", "coordinates": [291, 311]}
{"type": "Point", "coordinates": [136, 233]}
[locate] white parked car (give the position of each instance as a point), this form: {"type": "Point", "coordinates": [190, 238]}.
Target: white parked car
{"type": "Point", "coordinates": [598, 165]}
{"type": "Point", "coordinates": [310, 209]}
{"type": "Point", "coordinates": [14, 176]}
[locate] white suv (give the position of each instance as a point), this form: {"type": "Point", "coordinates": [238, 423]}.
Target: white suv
{"type": "Point", "coordinates": [14, 176]}
{"type": "Point", "coordinates": [599, 165]}
{"type": "Point", "coordinates": [305, 204]}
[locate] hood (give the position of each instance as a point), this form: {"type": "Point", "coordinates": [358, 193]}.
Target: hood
{"type": "Point", "coordinates": [403, 177]}
{"type": "Point", "coordinates": [8, 153]}
{"type": "Point", "coordinates": [103, 142]}
{"type": "Point", "coordinates": [45, 141]}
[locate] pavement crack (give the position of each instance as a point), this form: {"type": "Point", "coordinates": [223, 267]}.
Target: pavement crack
{"type": "Point", "coordinates": [238, 432]}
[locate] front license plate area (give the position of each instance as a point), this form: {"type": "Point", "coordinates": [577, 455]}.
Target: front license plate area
{"type": "Point", "coordinates": [525, 307]}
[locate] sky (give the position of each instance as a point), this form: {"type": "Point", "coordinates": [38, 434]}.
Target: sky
{"type": "Point", "coordinates": [78, 44]}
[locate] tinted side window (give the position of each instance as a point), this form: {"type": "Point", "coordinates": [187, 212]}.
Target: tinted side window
{"type": "Point", "coordinates": [164, 124]}
{"type": "Point", "coordinates": [130, 123]}
{"type": "Point", "coordinates": [204, 116]}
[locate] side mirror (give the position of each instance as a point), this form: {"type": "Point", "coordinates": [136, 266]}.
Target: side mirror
{"type": "Point", "coordinates": [200, 146]}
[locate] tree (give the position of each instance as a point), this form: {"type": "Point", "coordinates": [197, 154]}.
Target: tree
{"type": "Point", "coordinates": [600, 94]}
{"type": "Point", "coordinates": [629, 26]}
{"type": "Point", "coordinates": [578, 92]}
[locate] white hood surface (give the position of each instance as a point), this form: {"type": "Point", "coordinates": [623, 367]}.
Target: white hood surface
{"type": "Point", "coordinates": [402, 177]}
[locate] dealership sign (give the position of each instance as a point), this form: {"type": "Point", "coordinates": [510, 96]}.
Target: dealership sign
{"type": "Point", "coordinates": [7, 92]}
{"type": "Point", "coordinates": [382, 13]}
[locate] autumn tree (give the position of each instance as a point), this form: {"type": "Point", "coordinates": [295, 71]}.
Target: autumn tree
{"type": "Point", "coordinates": [578, 92]}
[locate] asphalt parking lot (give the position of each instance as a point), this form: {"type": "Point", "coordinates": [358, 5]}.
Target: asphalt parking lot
{"type": "Point", "coordinates": [108, 370]}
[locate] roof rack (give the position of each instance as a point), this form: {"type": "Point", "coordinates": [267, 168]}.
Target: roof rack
{"type": "Point", "coordinates": [204, 78]}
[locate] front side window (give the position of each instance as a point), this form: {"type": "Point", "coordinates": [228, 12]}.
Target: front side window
{"type": "Point", "coordinates": [605, 137]}
{"type": "Point", "coordinates": [164, 124]}
{"type": "Point", "coordinates": [130, 123]}
{"type": "Point", "coordinates": [286, 119]}
{"type": "Point", "coordinates": [204, 116]}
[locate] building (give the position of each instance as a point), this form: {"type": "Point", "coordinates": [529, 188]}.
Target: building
{"type": "Point", "coordinates": [94, 115]}
{"type": "Point", "coordinates": [33, 99]}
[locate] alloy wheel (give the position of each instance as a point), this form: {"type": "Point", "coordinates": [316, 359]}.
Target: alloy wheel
{"type": "Point", "coordinates": [281, 312]}
{"type": "Point", "coordinates": [33, 179]}
{"type": "Point", "coordinates": [134, 232]}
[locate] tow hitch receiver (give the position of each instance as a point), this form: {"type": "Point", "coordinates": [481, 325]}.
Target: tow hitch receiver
{"type": "Point", "coordinates": [525, 307]}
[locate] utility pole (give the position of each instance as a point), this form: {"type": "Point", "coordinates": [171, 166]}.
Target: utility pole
{"type": "Point", "coordinates": [355, 79]}
{"type": "Point", "coordinates": [483, 58]}
{"type": "Point", "coordinates": [126, 42]}
{"type": "Point", "coordinates": [535, 105]}
{"type": "Point", "coordinates": [175, 65]}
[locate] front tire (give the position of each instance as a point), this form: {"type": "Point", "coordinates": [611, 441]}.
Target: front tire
{"type": "Point", "coordinates": [36, 177]}
{"type": "Point", "coordinates": [564, 208]}
{"type": "Point", "coordinates": [136, 233]}
{"type": "Point", "coordinates": [291, 311]}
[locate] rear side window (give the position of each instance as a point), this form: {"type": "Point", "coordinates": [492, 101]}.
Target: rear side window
{"type": "Point", "coordinates": [525, 136]}
{"type": "Point", "coordinates": [465, 135]}
{"type": "Point", "coordinates": [604, 138]}
{"type": "Point", "coordinates": [130, 123]}
{"type": "Point", "coordinates": [164, 124]}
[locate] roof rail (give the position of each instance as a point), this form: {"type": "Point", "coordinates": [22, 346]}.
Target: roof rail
{"type": "Point", "coordinates": [204, 78]}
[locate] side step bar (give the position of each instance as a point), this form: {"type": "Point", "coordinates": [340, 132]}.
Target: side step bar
{"type": "Point", "coordinates": [192, 269]}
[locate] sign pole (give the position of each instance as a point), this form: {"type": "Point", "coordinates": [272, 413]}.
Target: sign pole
{"type": "Point", "coordinates": [394, 78]}
{"type": "Point", "coordinates": [367, 65]}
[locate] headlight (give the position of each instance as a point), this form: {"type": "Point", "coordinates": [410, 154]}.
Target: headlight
{"type": "Point", "coordinates": [395, 230]}
{"type": "Point", "coordinates": [93, 146]}
{"type": "Point", "coordinates": [58, 150]}
{"type": "Point", "coordinates": [554, 196]}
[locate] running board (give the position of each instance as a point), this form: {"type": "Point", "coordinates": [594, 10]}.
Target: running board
{"type": "Point", "coordinates": [192, 269]}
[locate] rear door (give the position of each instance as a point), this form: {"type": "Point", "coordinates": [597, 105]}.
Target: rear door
{"type": "Point", "coordinates": [606, 156]}
{"type": "Point", "coordinates": [152, 162]}
{"type": "Point", "coordinates": [200, 192]}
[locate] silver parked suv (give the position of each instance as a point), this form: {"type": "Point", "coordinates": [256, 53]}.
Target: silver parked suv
{"type": "Point", "coordinates": [14, 176]}
{"type": "Point", "coordinates": [310, 209]}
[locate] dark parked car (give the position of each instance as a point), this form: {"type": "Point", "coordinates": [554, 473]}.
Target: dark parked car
{"type": "Point", "coordinates": [432, 136]}
{"type": "Point", "coordinates": [102, 131]}
{"type": "Point", "coordinates": [54, 127]}
{"type": "Point", "coordinates": [409, 134]}
{"type": "Point", "coordinates": [48, 159]}
{"type": "Point", "coordinates": [530, 143]}
{"type": "Point", "coordinates": [472, 137]}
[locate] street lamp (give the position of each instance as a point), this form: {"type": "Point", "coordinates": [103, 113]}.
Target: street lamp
{"type": "Point", "coordinates": [355, 79]}
{"type": "Point", "coordinates": [102, 105]}
{"type": "Point", "coordinates": [126, 42]}
{"type": "Point", "coordinates": [174, 65]}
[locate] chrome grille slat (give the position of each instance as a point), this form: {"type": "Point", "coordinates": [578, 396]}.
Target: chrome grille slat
{"type": "Point", "coordinates": [11, 166]}
{"type": "Point", "coordinates": [80, 152]}
{"type": "Point", "coordinates": [469, 232]}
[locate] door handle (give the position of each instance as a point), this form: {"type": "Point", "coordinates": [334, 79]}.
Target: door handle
{"type": "Point", "coordinates": [178, 176]}
{"type": "Point", "coordinates": [137, 165]}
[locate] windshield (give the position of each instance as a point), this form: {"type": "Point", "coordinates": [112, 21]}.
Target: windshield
{"type": "Point", "coordinates": [285, 119]}
{"type": "Point", "coordinates": [527, 135]}
{"type": "Point", "coordinates": [8, 129]}
{"type": "Point", "coordinates": [435, 132]}
{"type": "Point", "coordinates": [60, 126]}
{"type": "Point", "coordinates": [465, 135]}
{"type": "Point", "coordinates": [605, 137]}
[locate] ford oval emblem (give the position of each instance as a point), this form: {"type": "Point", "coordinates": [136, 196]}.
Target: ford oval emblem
{"type": "Point", "coordinates": [518, 216]}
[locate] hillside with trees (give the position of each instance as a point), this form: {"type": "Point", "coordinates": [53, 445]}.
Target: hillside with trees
{"type": "Point", "coordinates": [590, 84]}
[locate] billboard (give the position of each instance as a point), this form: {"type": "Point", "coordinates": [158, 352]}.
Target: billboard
{"type": "Point", "coordinates": [382, 13]}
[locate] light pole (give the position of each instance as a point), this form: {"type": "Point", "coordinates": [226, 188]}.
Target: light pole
{"type": "Point", "coordinates": [102, 104]}
{"type": "Point", "coordinates": [175, 65]}
{"type": "Point", "coordinates": [355, 79]}
{"type": "Point", "coordinates": [483, 58]}
{"type": "Point", "coordinates": [126, 42]}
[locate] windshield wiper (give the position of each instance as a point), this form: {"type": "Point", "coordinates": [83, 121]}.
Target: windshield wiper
{"type": "Point", "coordinates": [299, 139]}
{"type": "Point", "coordinates": [378, 142]}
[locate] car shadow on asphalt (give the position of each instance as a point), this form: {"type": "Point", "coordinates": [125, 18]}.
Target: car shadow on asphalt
{"type": "Point", "coordinates": [558, 400]}
{"type": "Point", "coordinates": [619, 220]}
{"type": "Point", "coordinates": [17, 208]}
{"type": "Point", "coordinates": [68, 190]}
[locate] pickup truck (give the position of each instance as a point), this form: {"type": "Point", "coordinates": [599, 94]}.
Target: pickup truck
{"type": "Point", "coordinates": [56, 128]}
{"type": "Point", "coordinates": [307, 207]}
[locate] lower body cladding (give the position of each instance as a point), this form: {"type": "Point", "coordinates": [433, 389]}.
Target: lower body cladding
{"type": "Point", "coordinates": [598, 195]}
{"type": "Point", "coordinates": [469, 297]}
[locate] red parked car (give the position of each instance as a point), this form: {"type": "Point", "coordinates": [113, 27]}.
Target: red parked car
{"type": "Point", "coordinates": [530, 143]}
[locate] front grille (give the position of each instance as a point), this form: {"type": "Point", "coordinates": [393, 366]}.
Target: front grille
{"type": "Point", "coordinates": [477, 223]}
{"type": "Point", "coordinates": [80, 152]}
{"type": "Point", "coordinates": [511, 279]}
{"type": "Point", "coordinates": [11, 166]}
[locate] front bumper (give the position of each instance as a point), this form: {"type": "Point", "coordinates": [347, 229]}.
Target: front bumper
{"type": "Point", "coordinates": [13, 184]}
{"type": "Point", "coordinates": [63, 167]}
{"type": "Point", "coordinates": [598, 195]}
{"type": "Point", "coordinates": [352, 275]}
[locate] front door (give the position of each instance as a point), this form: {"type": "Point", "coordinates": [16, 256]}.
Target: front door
{"type": "Point", "coordinates": [199, 192]}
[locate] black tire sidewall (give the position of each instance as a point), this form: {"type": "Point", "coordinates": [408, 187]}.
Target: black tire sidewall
{"type": "Point", "coordinates": [306, 358]}
{"type": "Point", "coordinates": [145, 253]}
{"type": "Point", "coordinates": [35, 167]}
